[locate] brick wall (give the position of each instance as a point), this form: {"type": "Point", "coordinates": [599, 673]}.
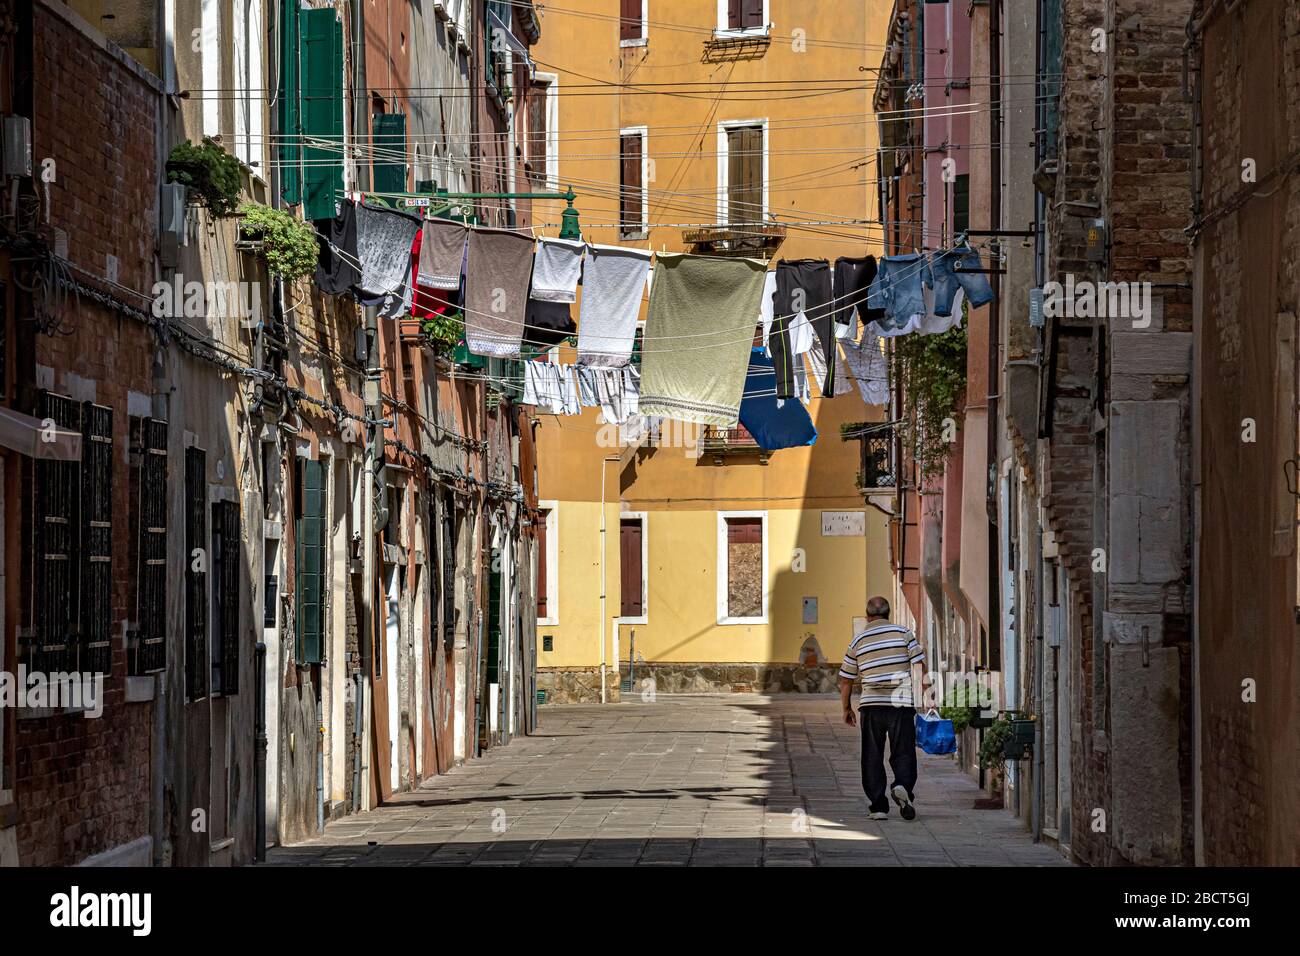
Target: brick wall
{"type": "Point", "coordinates": [83, 785]}
{"type": "Point", "coordinates": [1250, 270]}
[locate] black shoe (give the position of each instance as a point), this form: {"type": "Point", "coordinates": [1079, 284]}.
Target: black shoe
{"type": "Point", "coordinates": [904, 802]}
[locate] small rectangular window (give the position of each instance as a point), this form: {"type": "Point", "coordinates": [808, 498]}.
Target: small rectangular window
{"type": "Point", "coordinates": [745, 174]}
{"type": "Point", "coordinates": [745, 15]}
{"type": "Point", "coordinates": [56, 493]}
{"type": "Point", "coordinates": [631, 186]}
{"type": "Point", "coordinates": [631, 20]}
{"type": "Point", "coordinates": [543, 571]}
{"type": "Point", "coordinates": [309, 533]}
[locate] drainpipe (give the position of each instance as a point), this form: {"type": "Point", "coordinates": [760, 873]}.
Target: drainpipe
{"type": "Point", "coordinates": [994, 376]}
{"type": "Point", "coordinates": [600, 628]}
{"type": "Point", "coordinates": [1040, 656]}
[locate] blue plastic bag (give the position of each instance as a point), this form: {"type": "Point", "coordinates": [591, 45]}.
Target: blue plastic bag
{"type": "Point", "coordinates": [935, 735]}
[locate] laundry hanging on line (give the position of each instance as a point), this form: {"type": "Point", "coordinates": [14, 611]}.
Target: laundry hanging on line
{"type": "Point", "coordinates": [775, 424]}
{"type": "Point", "coordinates": [497, 272]}
{"type": "Point", "coordinates": [613, 284]}
{"type": "Point", "coordinates": [694, 361]}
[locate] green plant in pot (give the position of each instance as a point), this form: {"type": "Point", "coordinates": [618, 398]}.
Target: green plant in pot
{"type": "Point", "coordinates": [958, 709]}
{"type": "Point", "coordinates": [991, 747]}
{"type": "Point", "coordinates": [444, 332]}
{"type": "Point", "coordinates": [209, 171]}
{"type": "Point", "coordinates": [288, 245]}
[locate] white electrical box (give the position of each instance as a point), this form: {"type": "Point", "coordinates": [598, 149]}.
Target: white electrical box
{"type": "Point", "coordinates": [17, 156]}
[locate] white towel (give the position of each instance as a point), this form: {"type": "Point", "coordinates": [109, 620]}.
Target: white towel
{"type": "Point", "coordinates": [557, 267]}
{"type": "Point", "coordinates": [766, 304]}
{"type": "Point", "coordinates": [613, 282]}
{"type": "Point", "coordinates": [570, 404]}
{"type": "Point", "coordinates": [801, 335]}
{"type": "Point", "coordinates": [932, 324]}
{"type": "Point", "coordinates": [588, 387]}
{"type": "Point", "coordinates": [870, 368]}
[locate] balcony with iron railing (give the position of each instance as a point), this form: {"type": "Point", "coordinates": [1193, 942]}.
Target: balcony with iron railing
{"type": "Point", "coordinates": [721, 443]}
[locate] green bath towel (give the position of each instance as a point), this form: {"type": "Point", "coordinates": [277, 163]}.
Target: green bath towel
{"type": "Point", "coordinates": [698, 335]}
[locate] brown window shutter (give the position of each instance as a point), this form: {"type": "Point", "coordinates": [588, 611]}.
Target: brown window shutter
{"type": "Point", "coordinates": [542, 611]}
{"type": "Point", "coordinates": [537, 129]}
{"type": "Point", "coordinates": [632, 600]}
{"type": "Point", "coordinates": [745, 174]}
{"type": "Point", "coordinates": [751, 14]}
{"type": "Point", "coordinates": [735, 15]}
{"type": "Point", "coordinates": [629, 24]}
{"type": "Point", "coordinates": [744, 531]}
{"type": "Point", "coordinates": [631, 191]}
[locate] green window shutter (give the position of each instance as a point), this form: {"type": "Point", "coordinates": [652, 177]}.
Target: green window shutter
{"type": "Point", "coordinates": [310, 534]}
{"type": "Point", "coordinates": [388, 140]}
{"type": "Point", "coordinates": [290, 116]}
{"type": "Point", "coordinates": [321, 59]}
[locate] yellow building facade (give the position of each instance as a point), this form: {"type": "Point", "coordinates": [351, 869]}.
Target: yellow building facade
{"type": "Point", "coordinates": [727, 131]}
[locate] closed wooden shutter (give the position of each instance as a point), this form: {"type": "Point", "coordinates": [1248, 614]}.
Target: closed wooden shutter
{"type": "Point", "coordinates": [226, 552]}
{"type": "Point", "coordinates": [388, 135]}
{"type": "Point", "coordinates": [633, 600]}
{"type": "Point", "coordinates": [151, 602]}
{"type": "Point", "coordinates": [735, 14]}
{"type": "Point", "coordinates": [56, 486]}
{"type": "Point", "coordinates": [745, 174]}
{"type": "Point", "coordinates": [542, 609]}
{"type": "Point", "coordinates": [630, 181]}
{"type": "Point", "coordinates": [196, 594]}
{"type": "Point", "coordinates": [321, 65]}
{"type": "Point", "coordinates": [537, 130]}
{"type": "Point", "coordinates": [95, 590]}
{"type": "Point", "coordinates": [751, 14]}
{"type": "Point", "coordinates": [310, 534]}
{"type": "Point", "coordinates": [629, 24]}
{"type": "Point", "coordinates": [449, 541]}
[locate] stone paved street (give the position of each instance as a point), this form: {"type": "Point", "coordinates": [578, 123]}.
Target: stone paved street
{"type": "Point", "coordinates": [736, 780]}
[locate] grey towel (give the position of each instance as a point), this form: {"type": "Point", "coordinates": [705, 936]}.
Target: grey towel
{"type": "Point", "coordinates": [613, 281]}
{"type": "Point", "coordinates": [556, 270]}
{"type": "Point", "coordinates": [703, 314]}
{"type": "Point", "coordinates": [442, 252]}
{"type": "Point", "coordinates": [384, 238]}
{"type": "Point", "coordinates": [496, 291]}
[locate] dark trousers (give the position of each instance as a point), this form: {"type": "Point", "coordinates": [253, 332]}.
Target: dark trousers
{"type": "Point", "coordinates": [802, 285]}
{"type": "Point", "coordinates": [899, 725]}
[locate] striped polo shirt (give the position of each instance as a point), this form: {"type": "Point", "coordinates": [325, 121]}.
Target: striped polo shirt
{"type": "Point", "coordinates": [883, 656]}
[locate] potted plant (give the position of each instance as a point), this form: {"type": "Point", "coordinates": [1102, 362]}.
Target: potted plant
{"type": "Point", "coordinates": [288, 245]}
{"type": "Point", "coordinates": [993, 746]}
{"type": "Point", "coordinates": [212, 174]}
{"type": "Point", "coordinates": [954, 708]}
{"type": "Point", "coordinates": [444, 333]}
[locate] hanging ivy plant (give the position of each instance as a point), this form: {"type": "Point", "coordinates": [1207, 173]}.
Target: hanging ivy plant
{"type": "Point", "coordinates": [932, 372]}
{"type": "Point", "coordinates": [995, 738]}
{"type": "Point", "coordinates": [210, 171]}
{"type": "Point", "coordinates": [444, 332]}
{"type": "Point", "coordinates": [288, 245]}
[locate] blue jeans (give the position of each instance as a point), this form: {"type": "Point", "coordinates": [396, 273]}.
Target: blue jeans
{"type": "Point", "coordinates": [946, 279]}
{"type": "Point", "coordinates": [896, 288]}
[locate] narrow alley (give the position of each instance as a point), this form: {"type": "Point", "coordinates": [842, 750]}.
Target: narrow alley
{"type": "Point", "coordinates": [734, 780]}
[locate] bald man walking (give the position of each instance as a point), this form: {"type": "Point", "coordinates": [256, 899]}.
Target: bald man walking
{"type": "Point", "coordinates": [883, 656]}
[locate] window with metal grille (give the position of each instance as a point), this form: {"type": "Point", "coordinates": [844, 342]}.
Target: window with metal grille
{"type": "Point", "coordinates": [148, 648]}
{"type": "Point", "coordinates": [225, 598]}
{"type": "Point", "coordinates": [95, 590]}
{"type": "Point", "coordinates": [309, 532]}
{"type": "Point", "coordinates": [744, 559]}
{"type": "Point", "coordinates": [56, 565]}
{"type": "Point", "coordinates": [196, 578]}
{"type": "Point", "coordinates": [449, 540]}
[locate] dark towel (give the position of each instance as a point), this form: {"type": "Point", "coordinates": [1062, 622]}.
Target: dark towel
{"type": "Point", "coordinates": [786, 427]}
{"type": "Point", "coordinates": [336, 266]}
{"type": "Point", "coordinates": [548, 323]}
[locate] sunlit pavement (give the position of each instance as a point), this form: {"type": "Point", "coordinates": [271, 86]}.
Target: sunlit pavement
{"type": "Point", "coordinates": [737, 780]}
